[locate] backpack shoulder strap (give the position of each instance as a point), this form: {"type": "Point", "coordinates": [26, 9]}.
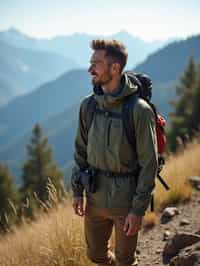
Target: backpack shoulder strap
{"type": "Point", "coordinates": [91, 109]}
{"type": "Point", "coordinates": [127, 115]}
{"type": "Point", "coordinates": [127, 118]}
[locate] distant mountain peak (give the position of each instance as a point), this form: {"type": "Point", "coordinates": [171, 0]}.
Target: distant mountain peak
{"type": "Point", "coordinates": [13, 30]}
{"type": "Point", "coordinates": [124, 32]}
{"type": "Point", "coordinates": [14, 33]}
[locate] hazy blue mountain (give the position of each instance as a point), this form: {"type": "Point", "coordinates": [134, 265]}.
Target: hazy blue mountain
{"type": "Point", "coordinates": [60, 130]}
{"type": "Point", "coordinates": [19, 115]}
{"type": "Point", "coordinates": [7, 90]}
{"type": "Point", "coordinates": [169, 62]}
{"type": "Point", "coordinates": [138, 49]}
{"type": "Point", "coordinates": [61, 126]}
{"type": "Point", "coordinates": [165, 67]}
{"type": "Point", "coordinates": [77, 47]}
{"type": "Point", "coordinates": [21, 70]}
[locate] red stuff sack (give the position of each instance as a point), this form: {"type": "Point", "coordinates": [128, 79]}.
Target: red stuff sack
{"type": "Point", "coordinates": [160, 132]}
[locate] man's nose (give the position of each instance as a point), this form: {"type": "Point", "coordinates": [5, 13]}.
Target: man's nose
{"type": "Point", "coordinates": [90, 69]}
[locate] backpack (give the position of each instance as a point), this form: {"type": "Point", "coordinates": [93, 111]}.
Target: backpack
{"type": "Point", "coordinates": [144, 91]}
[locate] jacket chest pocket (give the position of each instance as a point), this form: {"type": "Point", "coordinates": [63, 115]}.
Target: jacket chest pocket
{"type": "Point", "coordinates": [114, 133]}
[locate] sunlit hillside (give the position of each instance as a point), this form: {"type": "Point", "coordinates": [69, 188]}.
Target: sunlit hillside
{"type": "Point", "coordinates": [56, 238]}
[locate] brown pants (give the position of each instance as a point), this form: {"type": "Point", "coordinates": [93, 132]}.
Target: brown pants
{"type": "Point", "coordinates": [98, 229]}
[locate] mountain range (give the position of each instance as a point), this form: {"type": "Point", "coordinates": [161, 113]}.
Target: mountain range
{"type": "Point", "coordinates": [22, 70]}
{"type": "Point", "coordinates": [76, 46]}
{"type": "Point", "coordinates": [27, 62]}
{"type": "Point", "coordinates": [166, 66]}
{"type": "Point", "coordinates": [19, 115]}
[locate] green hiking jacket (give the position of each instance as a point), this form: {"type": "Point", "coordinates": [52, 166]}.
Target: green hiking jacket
{"type": "Point", "coordinates": [106, 147]}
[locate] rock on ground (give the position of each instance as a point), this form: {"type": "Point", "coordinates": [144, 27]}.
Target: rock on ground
{"type": "Point", "coordinates": [189, 256]}
{"type": "Point", "coordinates": [180, 241]}
{"type": "Point", "coordinates": [194, 181]}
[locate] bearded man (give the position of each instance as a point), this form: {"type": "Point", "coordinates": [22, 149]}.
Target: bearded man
{"type": "Point", "coordinates": [118, 179]}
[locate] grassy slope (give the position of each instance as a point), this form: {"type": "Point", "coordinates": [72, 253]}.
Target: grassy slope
{"type": "Point", "coordinates": [56, 238]}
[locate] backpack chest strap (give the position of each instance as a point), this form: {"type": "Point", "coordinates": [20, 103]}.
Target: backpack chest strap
{"type": "Point", "coordinates": [108, 113]}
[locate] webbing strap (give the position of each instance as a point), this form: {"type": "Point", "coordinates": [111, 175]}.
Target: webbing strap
{"type": "Point", "coordinates": [91, 109]}
{"type": "Point", "coordinates": [127, 118]}
{"type": "Point", "coordinates": [152, 203]}
{"type": "Point", "coordinates": [114, 174]}
{"type": "Point", "coordinates": [165, 185]}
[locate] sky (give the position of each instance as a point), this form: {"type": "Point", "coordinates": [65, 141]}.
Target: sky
{"type": "Point", "coordinates": [148, 19]}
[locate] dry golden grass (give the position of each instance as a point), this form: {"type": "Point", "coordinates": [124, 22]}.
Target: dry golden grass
{"type": "Point", "coordinates": [150, 220]}
{"type": "Point", "coordinates": [178, 167]}
{"type": "Point", "coordinates": [57, 239]}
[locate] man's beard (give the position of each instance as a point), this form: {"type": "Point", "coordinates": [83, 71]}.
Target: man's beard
{"type": "Point", "coordinates": [102, 81]}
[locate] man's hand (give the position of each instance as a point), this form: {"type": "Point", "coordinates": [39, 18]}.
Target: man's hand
{"type": "Point", "coordinates": [132, 224]}
{"type": "Point", "coordinates": [77, 205]}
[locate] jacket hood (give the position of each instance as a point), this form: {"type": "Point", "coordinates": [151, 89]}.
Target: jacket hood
{"type": "Point", "coordinates": [128, 86]}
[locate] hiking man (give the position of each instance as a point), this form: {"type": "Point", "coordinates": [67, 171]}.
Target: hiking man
{"type": "Point", "coordinates": [118, 178]}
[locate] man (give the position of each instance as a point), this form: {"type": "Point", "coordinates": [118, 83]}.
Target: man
{"type": "Point", "coordinates": [122, 193]}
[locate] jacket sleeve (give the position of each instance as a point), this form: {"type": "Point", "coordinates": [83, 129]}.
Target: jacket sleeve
{"type": "Point", "coordinates": [146, 146]}
{"type": "Point", "coordinates": [80, 154]}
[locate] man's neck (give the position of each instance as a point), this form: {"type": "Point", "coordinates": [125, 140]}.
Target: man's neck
{"type": "Point", "coordinates": [111, 86]}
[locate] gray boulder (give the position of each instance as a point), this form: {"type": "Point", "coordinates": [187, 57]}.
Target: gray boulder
{"type": "Point", "coordinates": [189, 256]}
{"type": "Point", "coordinates": [178, 242]}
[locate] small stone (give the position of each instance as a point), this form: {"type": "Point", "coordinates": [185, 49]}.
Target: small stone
{"type": "Point", "coordinates": [194, 181]}
{"type": "Point", "coordinates": [158, 251]}
{"type": "Point", "coordinates": [197, 232]}
{"type": "Point", "coordinates": [138, 251]}
{"type": "Point", "coordinates": [184, 222]}
{"type": "Point", "coordinates": [170, 212]}
{"type": "Point", "coordinates": [166, 235]}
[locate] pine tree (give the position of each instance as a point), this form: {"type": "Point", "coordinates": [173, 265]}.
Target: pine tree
{"type": "Point", "coordinates": [183, 107]}
{"type": "Point", "coordinates": [188, 79]}
{"type": "Point", "coordinates": [39, 170]}
{"type": "Point", "coordinates": [9, 197]}
{"type": "Point", "coordinates": [195, 118]}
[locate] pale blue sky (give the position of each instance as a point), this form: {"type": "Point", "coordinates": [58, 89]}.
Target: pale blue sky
{"type": "Point", "coordinates": [149, 20]}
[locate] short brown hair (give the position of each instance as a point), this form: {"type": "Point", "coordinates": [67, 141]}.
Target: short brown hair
{"type": "Point", "coordinates": [115, 50]}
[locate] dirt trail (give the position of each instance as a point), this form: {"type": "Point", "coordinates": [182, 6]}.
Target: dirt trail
{"type": "Point", "coordinates": [151, 244]}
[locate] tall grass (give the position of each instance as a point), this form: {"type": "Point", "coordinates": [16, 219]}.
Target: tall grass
{"type": "Point", "coordinates": [178, 167]}
{"type": "Point", "coordinates": [56, 238]}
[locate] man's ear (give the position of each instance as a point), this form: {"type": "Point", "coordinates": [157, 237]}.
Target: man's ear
{"type": "Point", "coordinates": [116, 68]}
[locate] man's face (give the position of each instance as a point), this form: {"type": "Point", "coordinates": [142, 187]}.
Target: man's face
{"type": "Point", "coordinates": [100, 68]}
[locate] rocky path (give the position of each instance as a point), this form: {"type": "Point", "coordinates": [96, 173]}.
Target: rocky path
{"type": "Point", "coordinates": [151, 243]}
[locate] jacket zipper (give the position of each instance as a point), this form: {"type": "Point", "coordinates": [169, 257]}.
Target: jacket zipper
{"type": "Point", "coordinates": [108, 133]}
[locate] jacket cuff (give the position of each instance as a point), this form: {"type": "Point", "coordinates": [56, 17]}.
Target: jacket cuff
{"type": "Point", "coordinates": [140, 204]}
{"type": "Point", "coordinates": [137, 212]}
